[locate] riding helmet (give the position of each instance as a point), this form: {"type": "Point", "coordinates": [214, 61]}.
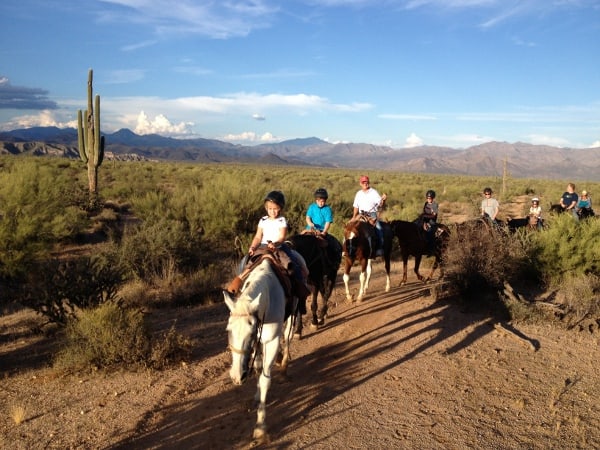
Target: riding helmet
{"type": "Point", "coordinates": [535, 200]}
{"type": "Point", "coordinates": [487, 190]}
{"type": "Point", "coordinates": [276, 197]}
{"type": "Point", "coordinates": [321, 193]}
{"type": "Point", "coordinates": [430, 193]}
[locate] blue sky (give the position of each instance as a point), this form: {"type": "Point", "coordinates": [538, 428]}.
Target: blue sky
{"type": "Point", "coordinates": [388, 72]}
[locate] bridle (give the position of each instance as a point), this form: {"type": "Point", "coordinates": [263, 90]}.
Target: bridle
{"type": "Point", "coordinates": [254, 342]}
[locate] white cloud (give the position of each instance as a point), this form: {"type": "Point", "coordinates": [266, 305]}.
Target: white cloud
{"type": "Point", "coordinates": [258, 117]}
{"type": "Point", "coordinates": [217, 20]}
{"type": "Point", "coordinates": [161, 125]}
{"type": "Point", "coordinates": [250, 137]}
{"type": "Point", "coordinates": [407, 117]}
{"type": "Point", "coordinates": [44, 118]}
{"type": "Point", "coordinates": [538, 139]}
{"type": "Point", "coordinates": [596, 144]}
{"type": "Point", "coordinates": [413, 141]}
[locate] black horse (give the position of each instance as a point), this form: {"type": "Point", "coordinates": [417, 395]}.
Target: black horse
{"type": "Point", "coordinates": [359, 245]}
{"type": "Point", "coordinates": [529, 223]}
{"type": "Point", "coordinates": [413, 242]}
{"type": "Point", "coordinates": [582, 213]}
{"type": "Point", "coordinates": [323, 256]}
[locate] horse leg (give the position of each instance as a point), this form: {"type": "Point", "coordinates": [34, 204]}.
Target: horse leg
{"type": "Point", "coordinates": [346, 279]}
{"type": "Point", "coordinates": [417, 264]}
{"type": "Point", "coordinates": [365, 276]}
{"type": "Point", "coordinates": [315, 309]}
{"type": "Point", "coordinates": [387, 272]}
{"type": "Point", "coordinates": [285, 345]}
{"type": "Point", "coordinates": [435, 265]}
{"type": "Point", "coordinates": [270, 350]}
{"type": "Point", "coordinates": [404, 269]}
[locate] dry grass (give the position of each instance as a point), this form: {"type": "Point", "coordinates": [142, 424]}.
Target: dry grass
{"type": "Point", "coordinates": [18, 414]}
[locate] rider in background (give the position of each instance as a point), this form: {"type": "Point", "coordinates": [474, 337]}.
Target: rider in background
{"type": "Point", "coordinates": [319, 215]}
{"type": "Point", "coordinates": [489, 207]}
{"type": "Point", "coordinates": [536, 210]}
{"type": "Point", "coordinates": [585, 202]}
{"type": "Point", "coordinates": [429, 218]}
{"type": "Point", "coordinates": [367, 201]}
{"type": "Point", "coordinates": [569, 199]}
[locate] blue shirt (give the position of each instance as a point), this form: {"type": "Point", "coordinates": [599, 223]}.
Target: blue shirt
{"type": "Point", "coordinates": [319, 216]}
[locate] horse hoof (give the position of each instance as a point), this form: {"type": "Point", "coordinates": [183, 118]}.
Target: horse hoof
{"type": "Point", "coordinates": [260, 437]}
{"type": "Point", "coordinates": [298, 335]}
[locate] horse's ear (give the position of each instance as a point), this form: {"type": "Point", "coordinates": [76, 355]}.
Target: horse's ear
{"type": "Point", "coordinates": [228, 300]}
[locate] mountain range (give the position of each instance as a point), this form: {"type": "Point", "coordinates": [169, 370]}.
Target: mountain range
{"type": "Point", "coordinates": [520, 160]}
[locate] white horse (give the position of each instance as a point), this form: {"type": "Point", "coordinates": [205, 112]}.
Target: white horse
{"type": "Point", "coordinates": [256, 326]}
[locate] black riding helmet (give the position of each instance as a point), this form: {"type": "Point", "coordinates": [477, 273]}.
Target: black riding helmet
{"type": "Point", "coordinates": [430, 193]}
{"type": "Point", "coordinates": [276, 197]}
{"type": "Point", "coordinates": [321, 193]}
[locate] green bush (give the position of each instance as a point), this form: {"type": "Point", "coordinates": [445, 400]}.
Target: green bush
{"type": "Point", "coordinates": [58, 289]}
{"type": "Point", "coordinates": [113, 336]}
{"type": "Point", "coordinates": [567, 247]}
{"type": "Point", "coordinates": [105, 336]}
{"type": "Point", "coordinates": [36, 212]}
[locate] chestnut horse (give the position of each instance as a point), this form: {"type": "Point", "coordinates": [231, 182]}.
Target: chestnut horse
{"type": "Point", "coordinates": [414, 242]}
{"type": "Point", "coordinates": [358, 245]}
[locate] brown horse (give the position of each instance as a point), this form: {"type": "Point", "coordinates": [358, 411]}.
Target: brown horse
{"type": "Point", "coordinates": [358, 245]}
{"type": "Point", "coordinates": [414, 242]}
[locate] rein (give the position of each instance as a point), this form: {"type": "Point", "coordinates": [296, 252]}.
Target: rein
{"type": "Point", "coordinates": [257, 331]}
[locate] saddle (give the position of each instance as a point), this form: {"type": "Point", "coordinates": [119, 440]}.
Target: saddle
{"type": "Point", "coordinates": [282, 266]}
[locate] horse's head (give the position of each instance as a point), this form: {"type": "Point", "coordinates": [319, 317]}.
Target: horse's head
{"type": "Point", "coordinates": [354, 232]}
{"type": "Point", "coordinates": [241, 331]}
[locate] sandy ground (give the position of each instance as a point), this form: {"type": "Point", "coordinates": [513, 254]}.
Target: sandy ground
{"type": "Point", "coordinates": [399, 370]}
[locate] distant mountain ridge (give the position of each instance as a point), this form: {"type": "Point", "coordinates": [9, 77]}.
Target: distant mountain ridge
{"type": "Point", "coordinates": [522, 160]}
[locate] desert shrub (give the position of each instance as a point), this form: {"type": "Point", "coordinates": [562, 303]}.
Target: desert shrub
{"type": "Point", "coordinates": [57, 289]}
{"type": "Point", "coordinates": [111, 336]}
{"type": "Point", "coordinates": [105, 336]}
{"type": "Point", "coordinates": [35, 213]}
{"type": "Point", "coordinates": [151, 247]}
{"type": "Point", "coordinates": [567, 247]}
{"type": "Point", "coordinates": [478, 263]}
{"type": "Point", "coordinates": [177, 289]}
{"type": "Point", "coordinates": [580, 296]}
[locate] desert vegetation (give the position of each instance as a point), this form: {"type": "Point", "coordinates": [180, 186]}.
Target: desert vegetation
{"type": "Point", "coordinates": [171, 234]}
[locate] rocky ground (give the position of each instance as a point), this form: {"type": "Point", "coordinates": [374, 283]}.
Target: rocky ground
{"type": "Point", "coordinates": [399, 370]}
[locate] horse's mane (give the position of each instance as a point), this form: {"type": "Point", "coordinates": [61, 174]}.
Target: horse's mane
{"type": "Point", "coordinates": [255, 283]}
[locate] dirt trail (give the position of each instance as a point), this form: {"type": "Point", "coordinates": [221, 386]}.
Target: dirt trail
{"type": "Point", "coordinates": [399, 370]}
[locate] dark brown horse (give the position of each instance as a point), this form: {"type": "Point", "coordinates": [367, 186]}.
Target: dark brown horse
{"type": "Point", "coordinates": [413, 242]}
{"type": "Point", "coordinates": [323, 257]}
{"type": "Point", "coordinates": [359, 245]}
{"type": "Point", "coordinates": [530, 223]}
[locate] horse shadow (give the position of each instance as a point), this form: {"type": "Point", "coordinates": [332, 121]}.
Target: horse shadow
{"type": "Point", "coordinates": [323, 375]}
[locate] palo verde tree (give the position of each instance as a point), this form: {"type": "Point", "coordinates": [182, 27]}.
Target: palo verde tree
{"type": "Point", "coordinates": [91, 144]}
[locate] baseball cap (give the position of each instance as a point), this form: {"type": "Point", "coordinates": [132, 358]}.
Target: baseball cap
{"type": "Point", "coordinates": [364, 178]}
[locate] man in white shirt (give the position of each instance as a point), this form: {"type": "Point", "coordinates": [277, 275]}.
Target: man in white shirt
{"type": "Point", "coordinates": [367, 201]}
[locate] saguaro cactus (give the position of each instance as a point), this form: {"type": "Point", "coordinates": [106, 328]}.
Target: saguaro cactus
{"type": "Point", "coordinates": [91, 144]}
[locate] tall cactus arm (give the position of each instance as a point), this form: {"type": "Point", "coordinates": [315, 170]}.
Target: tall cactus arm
{"type": "Point", "coordinates": [97, 140]}
{"type": "Point", "coordinates": [81, 137]}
